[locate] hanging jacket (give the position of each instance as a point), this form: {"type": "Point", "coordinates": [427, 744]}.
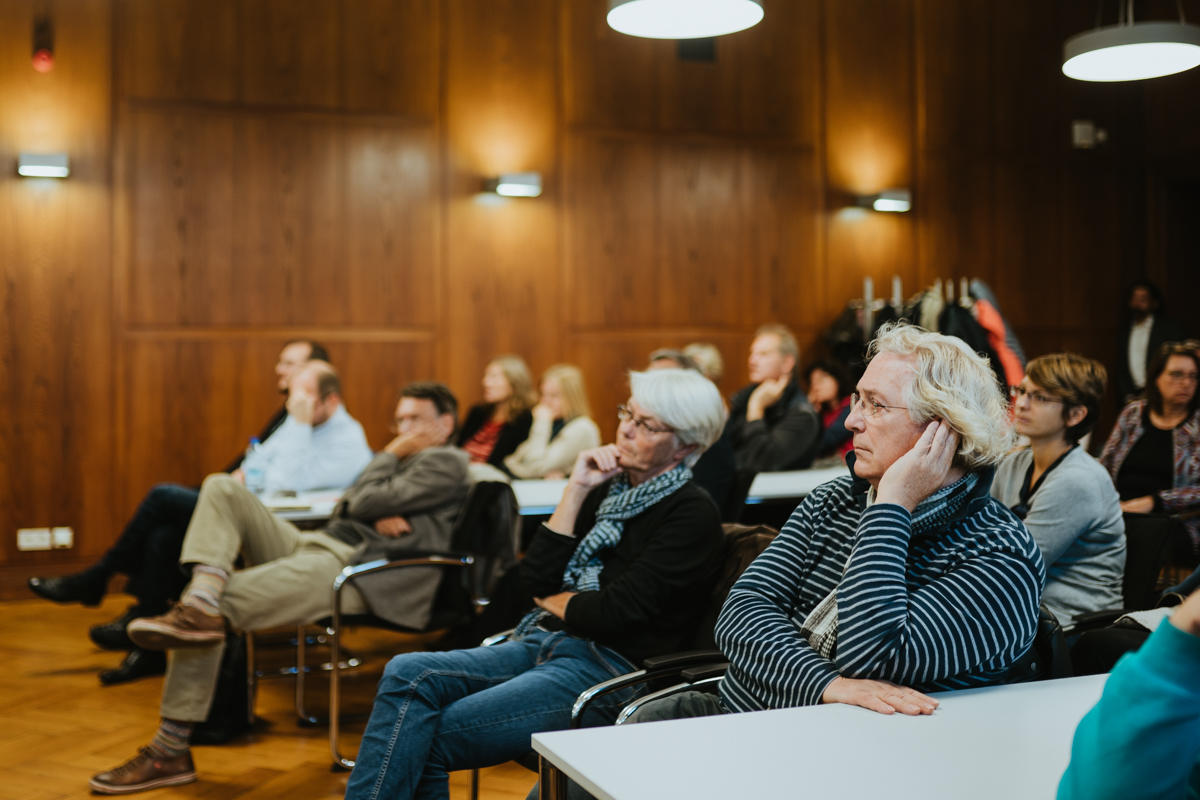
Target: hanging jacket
{"type": "Point", "coordinates": [990, 320]}
{"type": "Point", "coordinates": [981, 291]}
{"type": "Point", "coordinates": [957, 321]}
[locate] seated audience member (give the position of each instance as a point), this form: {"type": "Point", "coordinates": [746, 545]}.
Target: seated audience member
{"type": "Point", "coordinates": [715, 471]}
{"type": "Point", "coordinates": [1153, 453]}
{"type": "Point", "coordinates": [708, 358]}
{"type": "Point", "coordinates": [413, 491]}
{"type": "Point", "coordinates": [829, 392]}
{"type": "Point", "coordinates": [317, 446]}
{"type": "Point", "coordinates": [495, 428]}
{"type": "Point", "coordinates": [905, 578]}
{"type": "Point", "coordinates": [562, 428]}
{"type": "Point", "coordinates": [621, 571]}
{"type": "Point", "coordinates": [1142, 740]}
{"type": "Point", "coordinates": [771, 425]}
{"type": "Point", "coordinates": [1061, 493]}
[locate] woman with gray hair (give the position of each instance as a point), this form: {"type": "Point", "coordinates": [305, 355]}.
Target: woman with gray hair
{"type": "Point", "coordinates": [621, 572]}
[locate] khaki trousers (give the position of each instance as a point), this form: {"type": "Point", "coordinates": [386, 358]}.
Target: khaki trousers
{"type": "Point", "coordinates": [288, 581]}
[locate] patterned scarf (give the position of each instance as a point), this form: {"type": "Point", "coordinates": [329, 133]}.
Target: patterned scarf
{"type": "Point", "coordinates": [934, 513]}
{"type": "Point", "coordinates": [622, 503]}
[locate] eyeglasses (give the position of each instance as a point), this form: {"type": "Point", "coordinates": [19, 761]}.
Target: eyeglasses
{"type": "Point", "coordinates": [625, 414]}
{"type": "Point", "coordinates": [870, 408]}
{"type": "Point", "coordinates": [1017, 392]}
{"type": "Point", "coordinates": [394, 428]}
{"type": "Point", "coordinates": [1183, 377]}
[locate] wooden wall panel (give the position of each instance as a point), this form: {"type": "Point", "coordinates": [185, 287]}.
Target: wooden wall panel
{"type": "Point", "coordinates": [290, 52]}
{"type": "Point", "coordinates": [56, 352]}
{"type": "Point", "coordinates": [730, 227]}
{"type": "Point", "coordinates": [764, 81]}
{"type": "Point", "coordinates": [179, 49]}
{"type": "Point", "coordinates": [280, 220]}
{"type": "Point", "coordinates": [391, 51]}
{"type": "Point", "coordinates": [501, 285]}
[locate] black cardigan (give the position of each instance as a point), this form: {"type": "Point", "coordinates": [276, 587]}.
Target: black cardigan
{"type": "Point", "coordinates": [511, 435]}
{"type": "Point", "coordinates": [656, 583]}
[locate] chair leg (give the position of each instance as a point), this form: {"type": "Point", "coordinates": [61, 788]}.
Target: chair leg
{"type": "Point", "coordinates": [475, 784]}
{"type": "Point", "coordinates": [335, 700]}
{"type": "Point", "coordinates": [251, 677]}
{"type": "Point", "coordinates": [552, 782]}
{"type": "Point", "coordinates": [302, 714]}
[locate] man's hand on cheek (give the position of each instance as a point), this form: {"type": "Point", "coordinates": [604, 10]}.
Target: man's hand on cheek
{"type": "Point", "coordinates": [922, 470]}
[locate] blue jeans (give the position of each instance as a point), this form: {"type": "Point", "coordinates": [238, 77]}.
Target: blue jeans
{"type": "Point", "coordinates": [440, 712]}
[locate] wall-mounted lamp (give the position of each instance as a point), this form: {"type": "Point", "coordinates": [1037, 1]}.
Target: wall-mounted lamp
{"type": "Point", "coordinates": [895, 200]}
{"type": "Point", "coordinates": [515, 184]}
{"type": "Point", "coordinates": [43, 165]}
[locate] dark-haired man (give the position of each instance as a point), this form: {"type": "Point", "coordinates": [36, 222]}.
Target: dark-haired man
{"type": "Point", "coordinates": [1060, 492]}
{"type": "Point", "coordinates": [1149, 328]}
{"type": "Point", "coordinates": [413, 489]}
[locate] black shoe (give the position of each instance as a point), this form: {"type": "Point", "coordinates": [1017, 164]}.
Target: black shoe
{"type": "Point", "coordinates": [85, 587]}
{"type": "Point", "coordinates": [138, 664]}
{"type": "Point", "coordinates": [112, 635]}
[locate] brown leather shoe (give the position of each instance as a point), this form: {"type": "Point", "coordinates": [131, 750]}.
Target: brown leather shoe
{"type": "Point", "coordinates": [181, 627]}
{"type": "Point", "coordinates": [145, 771]}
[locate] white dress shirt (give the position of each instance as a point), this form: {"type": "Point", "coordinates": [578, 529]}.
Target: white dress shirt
{"type": "Point", "coordinates": [1139, 343]}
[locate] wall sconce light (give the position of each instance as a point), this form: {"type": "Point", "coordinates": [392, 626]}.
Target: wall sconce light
{"type": "Point", "coordinates": [43, 165]}
{"type": "Point", "coordinates": [515, 184]}
{"type": "Point", "coordinates": [895, 200]}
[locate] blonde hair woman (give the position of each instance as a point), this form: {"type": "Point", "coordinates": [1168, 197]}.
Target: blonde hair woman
{"type": "Point", "coordinates": [562, 427]}
{"type": "Point", "coordinates": [494, 428]}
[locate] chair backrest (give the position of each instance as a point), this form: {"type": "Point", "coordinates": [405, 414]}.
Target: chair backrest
{"type": "Point", "coordinates": [1148, 539]}
{"type": "Point", "coordinates": [738, 492]}
{"type": "Point", "coordinates": [1048, 657]}
{"type": "Point", "coordinates": [487, 528]}
{"type": "Point", "coordinates": [743, 544]}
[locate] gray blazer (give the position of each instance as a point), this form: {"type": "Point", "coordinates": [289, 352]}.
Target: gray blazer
{"type": "Point", "coordinates": [428, 489]}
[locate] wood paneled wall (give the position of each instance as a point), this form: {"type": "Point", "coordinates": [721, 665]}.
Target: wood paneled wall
{"type": "Point", "coordinates": [248, 171]}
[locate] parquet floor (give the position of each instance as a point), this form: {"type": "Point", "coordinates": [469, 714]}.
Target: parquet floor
{"type": "Point", "coordinates": [59, 726]}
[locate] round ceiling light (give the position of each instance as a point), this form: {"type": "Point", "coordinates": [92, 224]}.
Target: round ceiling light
{"type": "Point", "coordinates": [1132, 52]}
{"type": "Point", "coordinates": [682, 19]}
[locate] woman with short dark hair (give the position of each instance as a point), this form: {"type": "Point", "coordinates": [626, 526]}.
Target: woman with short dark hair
{"type": "Point", "coordinates": [829, 391]}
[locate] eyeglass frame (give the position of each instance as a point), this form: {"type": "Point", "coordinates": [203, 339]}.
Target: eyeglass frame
{"type": "Point", "coordinates": [857, 399]}
{"type": "Point", "coordinates": [1182, 377]}
{"type": "Point", "coordinates": [1017, 392]}
{"type": "Point", "coordinates": [625, 413]}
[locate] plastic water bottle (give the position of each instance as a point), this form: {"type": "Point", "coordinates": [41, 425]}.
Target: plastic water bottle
{"type": "Point", "coordinates": [254, 467]}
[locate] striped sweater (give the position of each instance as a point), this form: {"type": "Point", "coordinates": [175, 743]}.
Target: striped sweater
{"type": "Point", "coordinates": [950, 609]}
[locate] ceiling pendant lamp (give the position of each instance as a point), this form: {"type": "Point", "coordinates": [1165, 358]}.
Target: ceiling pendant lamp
{"type": "Point", "coordinates": [682, 19]}
{"type": "Point", "coordinates": [1130, 51]}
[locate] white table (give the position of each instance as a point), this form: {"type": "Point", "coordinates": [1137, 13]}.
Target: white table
{"type": "Point", "coordinates": [305, 506]}
{"type": "Point", "coordinates": [540, 497]}
{"type": "Point", "coordinates": [1001, 742]}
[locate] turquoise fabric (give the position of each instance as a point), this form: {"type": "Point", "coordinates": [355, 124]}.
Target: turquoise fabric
{"type": "Point", "coordinates": [1142, 740]}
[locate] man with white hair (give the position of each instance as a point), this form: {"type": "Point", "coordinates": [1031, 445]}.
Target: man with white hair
{"type": "Point", "coordinates": [906, 578]}
{"type": "Point", "coordinates": [621, 572]}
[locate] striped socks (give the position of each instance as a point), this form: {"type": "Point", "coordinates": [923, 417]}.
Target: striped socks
{"type": "Point", "coordinates": [171, 739]}
{"type": "Point", "coordinates": [205, 590]}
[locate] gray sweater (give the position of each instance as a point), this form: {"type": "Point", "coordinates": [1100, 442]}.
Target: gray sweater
{"type": "Point", "coordinates": [428, 489]}
{"type": "Point", "coordinates": [1075, 517]}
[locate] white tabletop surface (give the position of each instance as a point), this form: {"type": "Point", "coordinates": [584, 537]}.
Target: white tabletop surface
{"type": "Point", "coordinates": [540, 497]}
{"type": "Point", "coordinates": [1003, 742]}
{"type": "Point", "coordinates": [305, 506]}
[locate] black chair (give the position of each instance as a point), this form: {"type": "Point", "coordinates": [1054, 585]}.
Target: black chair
{"type": "Point", "coordinates": [1048, 658]}
{"type": "Point", "coordinates": [736, 501]}
{"type": "Point", "coordinates": [1148, 542]}
{"type": "Point", "coordinates": [482, 546]}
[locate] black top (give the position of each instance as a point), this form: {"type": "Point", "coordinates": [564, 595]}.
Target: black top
{"type": "Point", "coordinates": [511, 435]}
{"type": "Point", "coordinates": [1150, 466]}
{"type": "Point", "coordinates": [1162, 331]}
{"type": "Point", "coordinates": [656, 583]}
{"type": "Point", "coordinates": [785, 438]}
{"type": "Point", "coordinates": [272, 425]}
